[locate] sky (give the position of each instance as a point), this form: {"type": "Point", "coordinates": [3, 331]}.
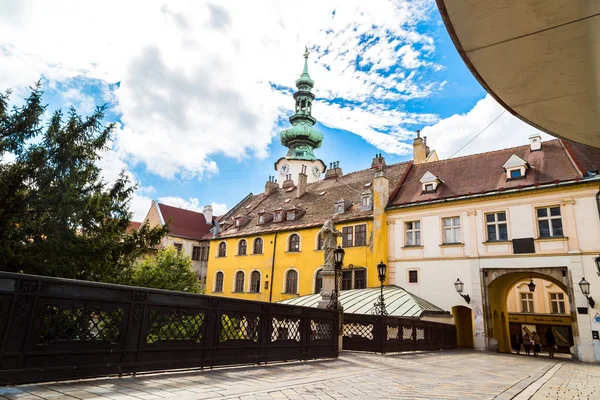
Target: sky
{"type": "Point", "coordinates": [201, 89]}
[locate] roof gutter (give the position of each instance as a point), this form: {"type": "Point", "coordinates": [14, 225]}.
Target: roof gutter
{"type": "Point", "coordinates": [499, 192]}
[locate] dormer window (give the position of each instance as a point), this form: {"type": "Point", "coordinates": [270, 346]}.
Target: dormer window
{"type": "Point", "coordinates": [237, 222]}
{"type": "Point", "coordinates": [241, 221]}
{"type": "Point", "coordinates": [339, 207]}
{"type": "Point", "coordinates": [291, 215]}
{"type": "Point", "coordinates": [261, 219]}
{"type": "Point", "coordinates": [278, 216]}
{"type": "Point", "coordinates": [365, 201]}
{"type": "Point", "coordinates": [429, 183]}
{"type": "Point", "coordinates": [515, 168]}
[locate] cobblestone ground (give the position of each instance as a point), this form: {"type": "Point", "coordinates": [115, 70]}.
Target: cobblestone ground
{"type": "Point", "coordinates": [439, 375]}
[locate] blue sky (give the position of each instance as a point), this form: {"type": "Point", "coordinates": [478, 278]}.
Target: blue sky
{"type": "Point", "coordinates": [201, 90]}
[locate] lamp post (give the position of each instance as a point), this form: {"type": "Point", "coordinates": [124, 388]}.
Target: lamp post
{"type": "Point", "coordinates": [338, 260]}
{"type": "Point", "coordinates": [379, 306]}
{"type": "Point", "coordinates": [585, 289]}
{"type": "Point", "coordinates": [459, 286]}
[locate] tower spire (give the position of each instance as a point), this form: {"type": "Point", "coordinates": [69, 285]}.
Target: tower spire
{"type": "Point", "coordinates": [302, 138]}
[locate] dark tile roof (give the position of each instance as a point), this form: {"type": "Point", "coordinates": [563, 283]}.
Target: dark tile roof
{"type": "Point", "coordinates": [185, 223]}
{"type": "Point", "coordinates": [318, 202]}
{"type": "Point", "coordinates": [586, 158]}
{"type": "Point", "coordinates": [482, 173]}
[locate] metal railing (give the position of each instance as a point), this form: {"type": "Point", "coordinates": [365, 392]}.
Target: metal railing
{"type": "Point", "coordinates": [385, 334]}
{"type": "Point", "coordinates": [55, 329]}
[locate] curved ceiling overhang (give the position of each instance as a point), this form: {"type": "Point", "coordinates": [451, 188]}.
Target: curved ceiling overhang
{"type": "Point", "coordinates": [540, 59]}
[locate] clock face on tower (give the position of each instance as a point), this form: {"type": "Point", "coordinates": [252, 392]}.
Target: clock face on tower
{"type": "Point", "coordinates": [284, 170]}
{"type": "Point", "coordinates": [316, 171]}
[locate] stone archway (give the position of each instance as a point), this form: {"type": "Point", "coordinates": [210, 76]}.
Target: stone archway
{"type": "Point", "coordinates": [463, 320]}
{"type": "Point", "coordinates": [497, 282]}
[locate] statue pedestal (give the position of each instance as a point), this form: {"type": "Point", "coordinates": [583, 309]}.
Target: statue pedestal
{"type": "Point", "coordinates": [328, 279]}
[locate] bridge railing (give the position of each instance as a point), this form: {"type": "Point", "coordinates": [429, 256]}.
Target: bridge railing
{"type": "Point", "coordinates": [385, 334]}
{"type": "Point", "coordinates": [55, 329]}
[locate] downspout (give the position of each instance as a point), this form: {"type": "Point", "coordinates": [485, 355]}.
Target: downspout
{"type": "Point", "coordinates": [273, 268]}
{"type": "Point", "coordinates": [598, 202]}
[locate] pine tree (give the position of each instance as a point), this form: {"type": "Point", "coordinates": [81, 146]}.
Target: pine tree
{"type": "Point", "coordinates": [58, 217]}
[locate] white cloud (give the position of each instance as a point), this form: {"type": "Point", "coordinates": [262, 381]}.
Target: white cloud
{"type": "Point", "coordinates": [450, 134]}
{"type": "Point", "coordinates": [196, 77]}
{"type": "Point", "coordinates": [193, 204]}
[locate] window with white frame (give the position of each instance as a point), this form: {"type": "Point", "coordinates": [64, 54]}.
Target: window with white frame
{"type": "Point", "coordinates": [219, 282]}
{"type": "Point", "coordinates": [365, 201]}
{"type": "Point", "coordinates": [258, 246]}
{"type": "Point", "coordinates": [557, 303]}
{"type": "Point", "coordinates": [294, 243]}
{"type": "Point", "coordinates": [354, 278]}
{"type": "Point", "coordinates": [527, 302]}
{"type": "Point", "coordinates": [291, 282]}
{"type": "Point", "coordinates": [255, 282]}
{"type": "Point", "coordinates": [451, 229]}
{"type": "Point", "coordinates": [413, 233]}
{"type": "Point", "coordinates": [278, 216]}
{"type": "Point", "coordinates": [497, 229]}
{"type": "Point", "coordinates": [347, 236]}
{"type": "Point", "coordinates": [222, 249]}
{"type": "Point", "coordinates": [239, 282]}
{"type": "Point", "coordinates": [242, 247]}
{"type": "Point", "coordinates": [549, 221]}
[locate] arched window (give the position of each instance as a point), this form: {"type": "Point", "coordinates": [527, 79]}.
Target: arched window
{"type": "Point", "coordinates": [219, 282]}
{"type": "Point", "coordinates": [294, 243]}
{"type": "Point", "coordinates": [255, 282]}
{"type": "Point", "coordinates": [291, 282]}
{"type": "Point", "coordinates": [222, 249]}
{"type": "Point", "coordinates": [242, 247]}
{"type": "Point", "coordinates": [318, 281]}
{"type": "Point", "coordinates": [239, 281]}
{"type": "Point", "coordinates": [258, 246]}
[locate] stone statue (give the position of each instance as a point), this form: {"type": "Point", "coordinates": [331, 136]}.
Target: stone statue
{"type": "Point", "coordinates": [329, 235]}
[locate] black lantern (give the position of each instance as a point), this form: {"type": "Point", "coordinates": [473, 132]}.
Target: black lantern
{"type": "Point", "coordinates": [459, 286]}
{"type": "Point", "coordinates": [338, 256]}
{"type": "Point", "coordinates": [531, 284]}
{"type": "Point", "coordinates": [379, 305]}
{"type": "Point", "coordinates": [585, 289]}
{"type": "Point", "coordinates": [597, 260]}
{"type": "Point", "coordinates": [381, 269]}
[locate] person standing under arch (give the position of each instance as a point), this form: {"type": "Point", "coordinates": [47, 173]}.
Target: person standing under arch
{"type": "Point", "coordinates": [550, 342]}
{"type": "Point", "coordinates": [527, 343]}
{"type": "Point", "coordinates": [537, 343]}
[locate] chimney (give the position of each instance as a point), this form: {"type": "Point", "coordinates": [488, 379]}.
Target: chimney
{"type": "Point", "coordinates": [334, 170]}
{"type": "Point", "coordinates": [271, 185]}
{"type": "Point", "coordinates": [535, 142]}
{"type": "Point", "coordinates": [208, 214]}
{"type": "Point", "coordinates": [378, 162]}
{"type": "Point", "coordinates": [288, 183]}
{"type": "Point", "coordinates": [302, 179]}
{"type": "Point", "coordinates": [419, 149]}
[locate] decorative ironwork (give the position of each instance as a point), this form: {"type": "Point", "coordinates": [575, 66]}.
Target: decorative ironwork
{"type": "Point", "coordinates": [358, 330]}
{"type": "Point", "coordinates": [132, 329]}
{"type": "Point", "coordinates": [239, 327]}
{"type": "Point", "coordinates": [175, 325]}
{"type": "Point", "coordinates": [407, 332]}
{"type": "Point", "coordinates": [140, 296]}
{"type": "Point", "coordinates": [28, 286]}
{"type": "Point", "coordinates": [285, 329]}
{"type": "Point", "coordinates": [321, 330]}
{"type": "Point", "coordinates": [333, 301]}
{"type": "Point", "coordinates": [420, 334]}
{"type": "Point", "coordinates": [379, 305]}
{"type": "Point", "coordinates": [79, 323]}
{"type": "Point", "coordinates": [393, 332]}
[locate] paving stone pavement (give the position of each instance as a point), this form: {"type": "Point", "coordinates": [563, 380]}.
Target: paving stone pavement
{"type": "Point", "coordinates": [428, 375]}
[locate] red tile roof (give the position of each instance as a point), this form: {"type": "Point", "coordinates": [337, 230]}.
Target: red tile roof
{"type": "Point", "coordinates": [483, 173]}
{"type": "Point", "coordinates": [185, 223]}
{"type": "Point", "coordinates": [133, 226]}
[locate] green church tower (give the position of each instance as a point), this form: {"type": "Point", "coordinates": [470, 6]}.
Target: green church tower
{"type": "Point", "coordinates": [302, 138]}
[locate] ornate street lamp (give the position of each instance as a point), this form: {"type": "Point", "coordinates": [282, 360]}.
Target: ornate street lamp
{"type": "Point", "coordinates": [531, 284]}
{"type": "Point", "coordinates": [597, 260]}
{"type": "Point", "coordinates": [459, 286]}
{"type": "Point", "coordinates": [379, 305]}
{"type": "Point", "coordinates": [338, 262]}
{"type": "Point", "coordinates": [585, 289]}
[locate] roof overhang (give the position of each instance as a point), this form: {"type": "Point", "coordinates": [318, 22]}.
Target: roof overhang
{"type": "Point", "coordinates": [540, 59]}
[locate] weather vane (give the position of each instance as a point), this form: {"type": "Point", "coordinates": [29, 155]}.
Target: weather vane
{"type": "Point", "coordinates": [306, 52]}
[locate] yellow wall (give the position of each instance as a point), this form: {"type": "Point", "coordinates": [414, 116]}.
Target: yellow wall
{"type": "Point", "coordinates": [541, 296]}
{"type": "Point", "coordinates": [306, 263]}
